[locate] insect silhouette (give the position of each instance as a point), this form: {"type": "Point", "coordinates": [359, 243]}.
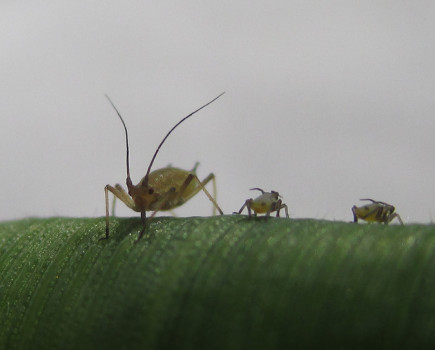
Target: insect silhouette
{"type": "Point", "coordinates": [159, 190]}
{"type": "Point", "coordinates": [267, 202]}
{"type": "Point", "coordinates": [375, 212]}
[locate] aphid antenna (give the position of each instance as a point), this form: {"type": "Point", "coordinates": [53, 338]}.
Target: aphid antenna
{"type": "Point", "coordinates": [368, 199]}
{"type": "Point", "coordinates": [258, 189]}
{"type": "Point", "coordinates": [145, 182]}
{"type": "Point", "coordinates": [126, 137]}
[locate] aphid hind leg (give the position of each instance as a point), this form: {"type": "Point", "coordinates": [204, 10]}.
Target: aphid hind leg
{"type": "Point", "coordinates": [212, 178]}
{"type": "Point", "coordinates": [201, 186]}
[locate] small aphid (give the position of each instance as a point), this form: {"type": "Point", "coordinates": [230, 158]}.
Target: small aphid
{"type": "Point", "coordinates": [375, 212]}
{"type": "Point", "coordinates": [267, 203]}
{"type": "Point", "coordinates": [162, 189]}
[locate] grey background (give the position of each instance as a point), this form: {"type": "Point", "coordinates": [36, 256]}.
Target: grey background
{"type": "Point", "coordinates": [326, 102]}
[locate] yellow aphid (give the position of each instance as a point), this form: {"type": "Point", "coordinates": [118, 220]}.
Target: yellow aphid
{"type": "Point", "coordinates": [266, 203]}
{"type": "Point", "coordinates": [162, 189]}
{"type": "Point", "coordinates": [375, 212]}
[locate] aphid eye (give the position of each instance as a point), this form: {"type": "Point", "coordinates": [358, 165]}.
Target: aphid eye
{"type": "Point", "coordinates": [150, 190]}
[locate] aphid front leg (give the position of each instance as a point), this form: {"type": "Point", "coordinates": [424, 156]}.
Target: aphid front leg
{"type": "Point", "coordinates": [355, 217]}
{"type": "Point", "coordinates": [280, 205]}
{"type": "Point", "coordinates": [143, 216]}
{"type": "Point", "coordinates": [395, 215]}
{"type": "Point", "coordinates": [120, 193]}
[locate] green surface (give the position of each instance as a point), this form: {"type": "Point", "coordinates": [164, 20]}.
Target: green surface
{"type": "Point", "coordinates": [216, 283]}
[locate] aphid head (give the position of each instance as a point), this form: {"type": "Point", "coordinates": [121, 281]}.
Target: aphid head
{"type": "Point", "coordinates": [276, 194]}
{"type": "Point", "coordinates": [143, 195]}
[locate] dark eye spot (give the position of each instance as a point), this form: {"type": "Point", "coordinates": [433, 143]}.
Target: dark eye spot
{"type": "Point", "coordinates": [150, 190]}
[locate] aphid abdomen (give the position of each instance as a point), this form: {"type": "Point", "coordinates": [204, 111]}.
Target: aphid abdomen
{"type": "Point", "coordinates": [260, 207]}
{"type": "Point", "coordinates": [162, 180]}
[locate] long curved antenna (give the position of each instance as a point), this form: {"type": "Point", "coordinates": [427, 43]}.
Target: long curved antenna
{"type": "Point", "coordinates": [126, 135]}
{"type": "Point", "coordinates": [368, 199]}
{"type": "Point", "coordinates": [145, 182]}
{"type": "Point", "coordinates": [258, 189]}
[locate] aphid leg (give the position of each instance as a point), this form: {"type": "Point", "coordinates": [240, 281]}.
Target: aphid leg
{"type": "Point", "coordinates": [399, 218]}
{"type": "Point", "coordinates": [160, 205]}
{"type": "Point", "coordinates": [286, 210]}
{"type": "Point", "coordinates": [202, 185]}
{"type": "Point", "coordinates": [144, 221]}
{"type": "Point", "coordinates": [119, 192]}
{"type": "Point", "coordinates": [355, 217]}
{"type": "Point", "coordinates": [271, 208]}
{"type": "Point", "coordinates": [241, 209]}
{"type": "Point", "coordinates": [167, 197]}
{"type": "Point", "coordinates": [112, 213]}
{"type": "Point", "coordinates": [205, 182]}
{"type": "Point", "coordinates": [248, 204]}
{"type": "Point", "coordinates": [213, 181]}
{"type": "Point", "coordinates": [280, 206]}
{"type": "Point", "coordinates": [395, 215]}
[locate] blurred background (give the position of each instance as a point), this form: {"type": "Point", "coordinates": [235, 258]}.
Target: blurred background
{"type": "Point", "coordinates": [326, 102]}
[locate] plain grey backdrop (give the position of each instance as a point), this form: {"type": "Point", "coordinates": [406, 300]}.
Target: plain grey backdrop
{"type": "Point", "coordinates": [326, 102]}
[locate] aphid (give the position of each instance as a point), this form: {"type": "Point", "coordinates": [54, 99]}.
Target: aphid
{"type": "Point", "coordinates": [267, 202]}
{"type": "Point", "coordinates": [162, 189]}
{"type": "Point", "coordinates": [375, 212]}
